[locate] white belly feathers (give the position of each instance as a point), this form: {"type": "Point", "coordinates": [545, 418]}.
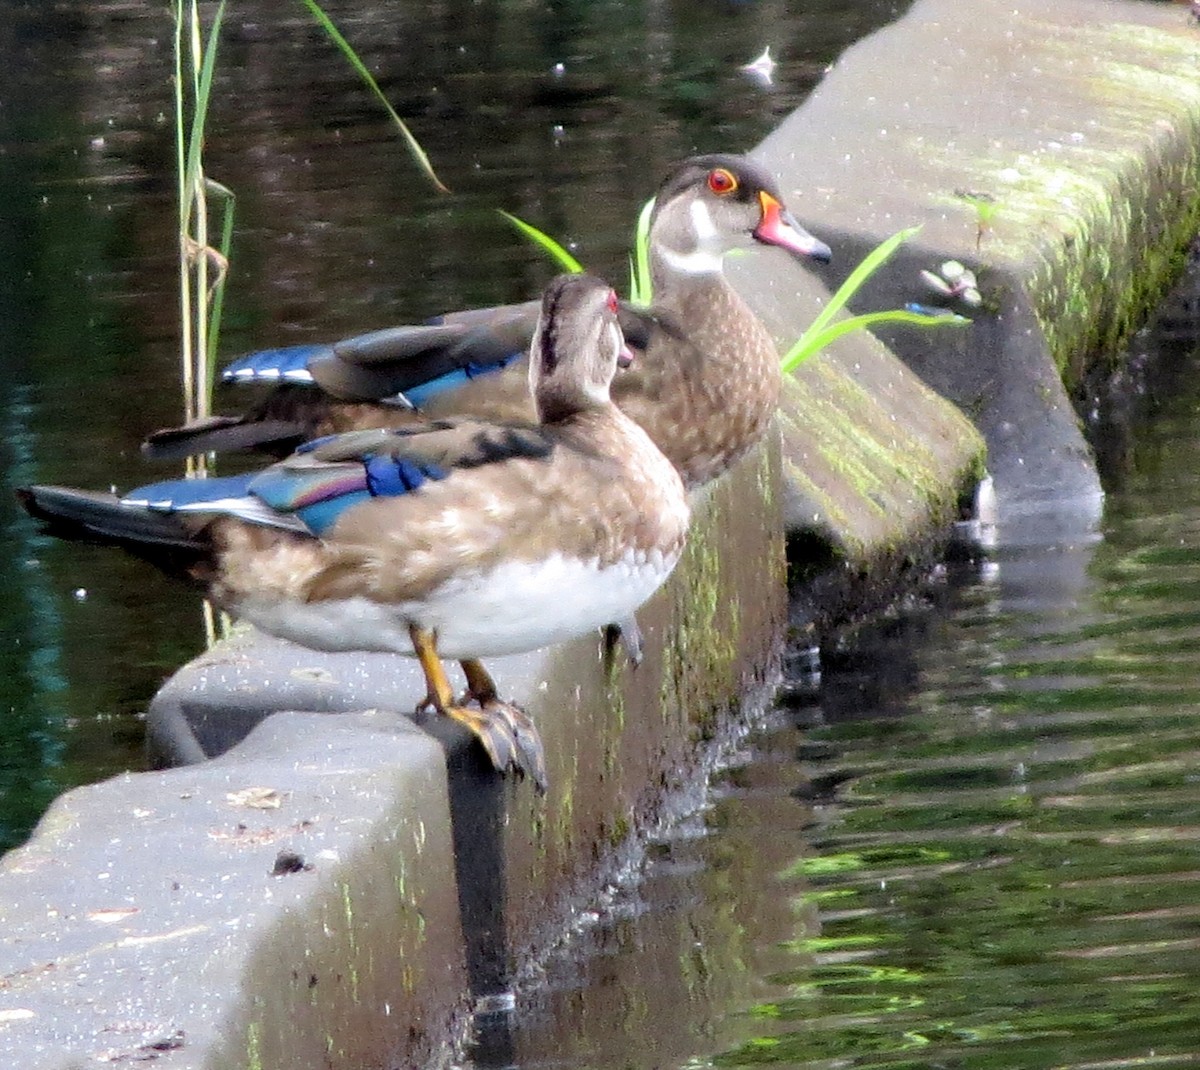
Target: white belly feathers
{"type": "Point", "coordinates": [515, 607]}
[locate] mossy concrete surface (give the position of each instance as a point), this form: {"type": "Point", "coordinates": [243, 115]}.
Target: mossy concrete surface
{"type": "Point", "coordinates": [335, 891]}
{"type": "Point", "coordinates": [874, 460]}
{"type": "Point", "coordinates": [1053, 147]}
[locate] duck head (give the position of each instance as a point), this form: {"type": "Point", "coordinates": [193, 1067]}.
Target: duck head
{"type": "Point", "coordinates": [577, 347]}
{"type": "Point", "coordinates": [710, 204]}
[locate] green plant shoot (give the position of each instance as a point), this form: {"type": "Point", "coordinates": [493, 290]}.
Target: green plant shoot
{"type": "Point", "coordinates": [539, 237]}
{"type": "Point", "coordinates": [414, 146]}
{"type": "Point", "coordinates": [640, 287]}
{"type": "Point", "coordinates": [822, 331]}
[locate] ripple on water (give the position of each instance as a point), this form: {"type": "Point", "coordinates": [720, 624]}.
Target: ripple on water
{"type": "Point", "coordinates": [975, 843]}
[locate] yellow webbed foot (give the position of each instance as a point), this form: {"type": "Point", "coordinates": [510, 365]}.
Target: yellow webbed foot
{"type": "Point", "coordinates": [508, 735]}
{"type": "Point", "coordinates": [509, 720]}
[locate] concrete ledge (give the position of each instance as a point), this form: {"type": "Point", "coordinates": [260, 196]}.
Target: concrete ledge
{"type": "Point", "coordinates": [143, 920]}
{"type": "Point", "coordinates": [1081, 119]}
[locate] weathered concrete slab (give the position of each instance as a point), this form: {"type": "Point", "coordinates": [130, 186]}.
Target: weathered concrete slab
{"type": "Point", "coordinates": [423, 888]}
{"type": "Point", "coordinates": [875, 463]}
{"type": "Point", "coordinates": [1081, 119]}
{"type": "Point", "coordinates": [143, 922]}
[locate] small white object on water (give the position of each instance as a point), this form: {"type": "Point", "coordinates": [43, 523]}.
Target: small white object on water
{"type": "Point", "coordinates": [559, 69]}
{"type": "Point", "coordinates": [761, 68]}
{"type": "Point", "coordinates": [80, 594]}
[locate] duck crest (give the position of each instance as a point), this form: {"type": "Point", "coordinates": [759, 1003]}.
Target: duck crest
{"type": "Point", "coordinates": [551, 325]}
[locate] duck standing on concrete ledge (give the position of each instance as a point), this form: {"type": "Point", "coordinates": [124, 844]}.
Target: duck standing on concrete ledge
{"type": "Point", "coordinates": [450, 539]}
{"type": "Point", "coordinates": [705, 388]}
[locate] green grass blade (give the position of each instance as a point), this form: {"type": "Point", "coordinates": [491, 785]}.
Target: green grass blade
{"type": "Point", "coordinates": [640, 287]}
{"type": "Point", "coordinates": [200, 110]}
{"type": "Point", "coordinates": [810, 342]}
{"type": "Point", "coordinates": [868, 266]}
{"type": "Point", "coordinates": [565, 260]}
{"type": "Point", "coordinates": [183, 195]}
{"type": "Point", "coordinates": [414, 146]}
{"type": "Point", "coordinates": [180, 138]}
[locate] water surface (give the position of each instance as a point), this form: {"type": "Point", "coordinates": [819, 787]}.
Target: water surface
{"type": "Point", "coordinates": [974, 842]}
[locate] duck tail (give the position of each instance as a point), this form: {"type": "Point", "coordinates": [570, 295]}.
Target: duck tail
{"type": "Point", "coordinates": [227, 434]}
{"type": "Point", "coordinates": [73, 513]}
{"type": "Point", "coordinates": [166, 540]}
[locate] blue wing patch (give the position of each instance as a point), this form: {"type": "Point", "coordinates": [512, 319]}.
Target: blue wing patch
{"type": "Point", "coordinates": [287, 364]}
{"type": "Point", "coordinates": [421, 393]}
{"type": "Point", "coordinates": [392, 476]}
{"type": "Point", "coordinates": [319, 496]}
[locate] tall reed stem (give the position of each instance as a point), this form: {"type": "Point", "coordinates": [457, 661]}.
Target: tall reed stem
{"type": "Point", "coordinates": [199, 294]}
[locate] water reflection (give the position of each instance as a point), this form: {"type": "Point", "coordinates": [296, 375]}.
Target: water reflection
{"type": "Point", "coordinates": [974, 844]}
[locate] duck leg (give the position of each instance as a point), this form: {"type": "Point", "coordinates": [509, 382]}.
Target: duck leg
{"type": "Point", "coordinates": [520, 729]}
{"type": "Point", "coordinates": [506, 733]}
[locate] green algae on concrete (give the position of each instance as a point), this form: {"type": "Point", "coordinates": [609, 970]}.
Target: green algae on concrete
{"type": "Point", "coordinates": [875, 461]}
{"type": "Point", "coordinates": [713, 640]}
{"type": "Point", "coordinates": [1080, 120]}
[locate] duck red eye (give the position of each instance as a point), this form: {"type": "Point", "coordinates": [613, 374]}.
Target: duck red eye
{"type": "Point", "coordinates": [721, 181]}
{"type": "Point", "coordinates": [612, 301]}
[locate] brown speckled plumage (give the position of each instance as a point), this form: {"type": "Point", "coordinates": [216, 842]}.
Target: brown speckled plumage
{"type": "Point", "coordinates": [587, 484]}
{"type": "Point", "coordinates": [602, 493]}
{"type": "Point", "coordinates": [708, 382]}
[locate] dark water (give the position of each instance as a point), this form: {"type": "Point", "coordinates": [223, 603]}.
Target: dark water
{"type": "Point", "coordinates": [974, 842]}
{"type": "Point", "coordinates": [336, 233]}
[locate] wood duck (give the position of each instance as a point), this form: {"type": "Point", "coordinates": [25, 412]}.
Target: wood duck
{"type": "Point", "coordinates": [705, 388]}
{"type": "Point", "coordinates": [443, 539]}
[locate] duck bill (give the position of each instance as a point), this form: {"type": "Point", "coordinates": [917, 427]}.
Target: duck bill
{"type": "Point", "coordinates": [625, 357]}
{"type": "Point", "coordinates": [779, 227]}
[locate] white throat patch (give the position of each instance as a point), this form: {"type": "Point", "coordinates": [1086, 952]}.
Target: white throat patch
{"type": "Point", "coordinates": [707, 257]}
{"type": "Point", "coordinates": [707, 235]}
{"type": "Point", "coordinates": [697, 263]}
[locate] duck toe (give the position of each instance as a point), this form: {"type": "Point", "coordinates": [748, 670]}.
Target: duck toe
{"type": "Point", "coordinates": [509, 737]}
{"type": "Point", "coordinates": [527, 757]}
